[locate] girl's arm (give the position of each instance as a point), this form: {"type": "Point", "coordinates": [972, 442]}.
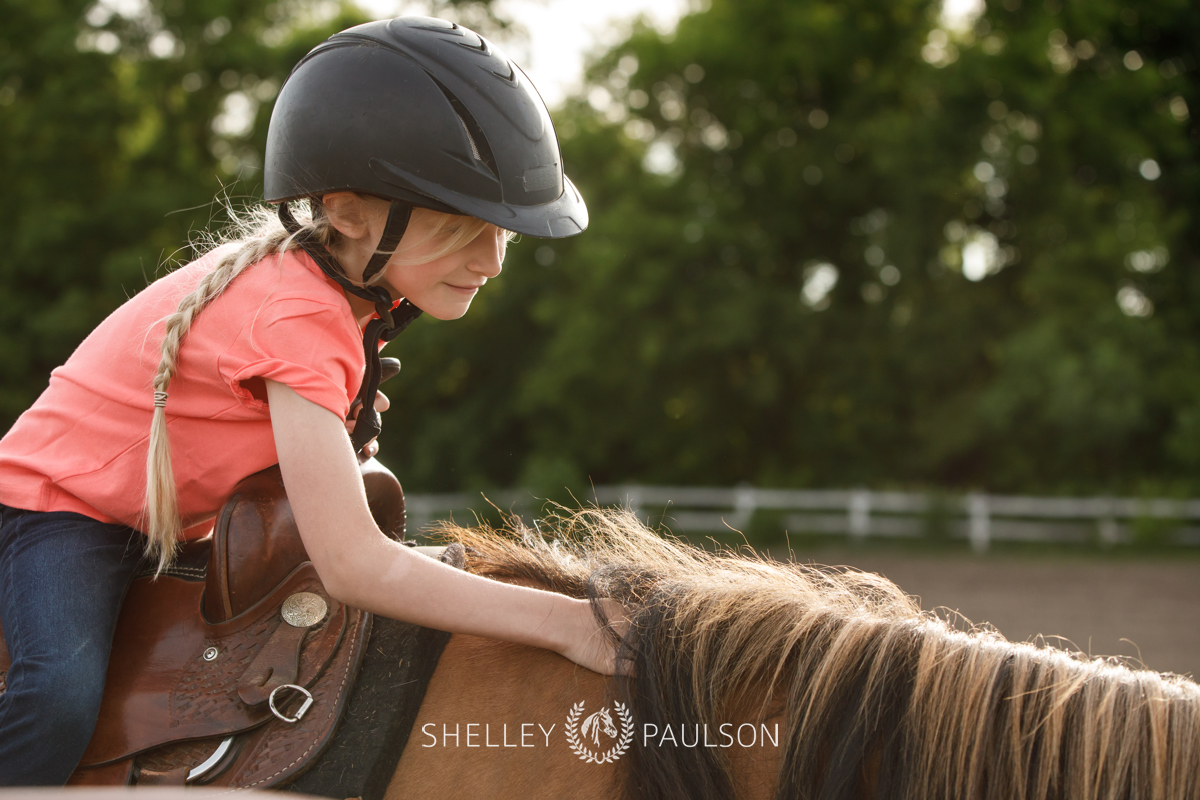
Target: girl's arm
{"type": "Point", "coordinates": [362, 567]}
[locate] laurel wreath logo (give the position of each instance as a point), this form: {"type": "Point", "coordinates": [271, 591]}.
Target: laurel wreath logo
{"type": "Point", "coordinates": [613, 753]}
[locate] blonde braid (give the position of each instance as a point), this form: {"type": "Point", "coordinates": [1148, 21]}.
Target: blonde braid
{"type": "Point", "coordinates": [262, 236]}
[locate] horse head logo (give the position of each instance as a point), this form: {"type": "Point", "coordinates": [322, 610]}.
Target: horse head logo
{"type": "Point", "coordinates": [594, 723]}
{"type": "Point", "coordinates": [592, 726]}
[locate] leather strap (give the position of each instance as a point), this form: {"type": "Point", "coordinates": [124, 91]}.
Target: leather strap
{"type": "Point", "coordinates": [119, 773]}
{"type": "Point", "coordinates": [172, 777]}
{"type": "Point", "coordinates": [276, 664]}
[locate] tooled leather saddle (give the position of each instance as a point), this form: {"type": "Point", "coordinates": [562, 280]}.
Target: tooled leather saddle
{"type": "Point", "coordinates": [233, 668]}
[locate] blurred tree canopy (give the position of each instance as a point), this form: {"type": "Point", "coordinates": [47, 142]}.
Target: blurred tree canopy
{"type": "Point", "coordinates": [115, 137]}
{"type": "Point", "coordinates": [832, 243]}
{"type": "Point", "coordinates": [120, 122]}
{"type": "Point", "coordinates": [838, 243]}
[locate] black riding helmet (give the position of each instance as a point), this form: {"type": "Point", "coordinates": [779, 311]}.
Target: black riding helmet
{"type": "Point", "coordinates": [426, 112]}
{"type": "Point", "coordinates": [422, 112]}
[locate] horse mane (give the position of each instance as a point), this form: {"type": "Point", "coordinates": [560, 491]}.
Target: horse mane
{"type": "Point", "coordinates": [874, 691]}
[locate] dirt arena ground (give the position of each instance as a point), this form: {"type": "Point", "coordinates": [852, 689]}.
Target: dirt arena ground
{"type": "Point", "coordinates": [1106, 606]}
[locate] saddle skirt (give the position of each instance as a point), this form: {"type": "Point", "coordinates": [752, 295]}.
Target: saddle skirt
{"type": "Point", "coordinates": [233, 668]}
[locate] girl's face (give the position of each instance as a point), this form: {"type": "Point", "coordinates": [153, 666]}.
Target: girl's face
{"type": "Point", "coordinates": [444, 286]}
{"type": "Point", "coordinates": [439, 283]}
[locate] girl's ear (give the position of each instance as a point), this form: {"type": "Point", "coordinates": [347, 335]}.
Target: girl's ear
{"type": "Point", "coordinates": [349, 213]}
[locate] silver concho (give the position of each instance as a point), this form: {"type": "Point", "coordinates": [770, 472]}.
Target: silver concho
{"type": "Point", "coordinates": [304, 609]}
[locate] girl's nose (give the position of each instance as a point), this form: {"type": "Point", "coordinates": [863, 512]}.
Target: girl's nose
{"type": "Point", "coordinates": [489, 254]}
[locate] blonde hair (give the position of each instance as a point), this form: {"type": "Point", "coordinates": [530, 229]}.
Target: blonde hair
{"type": "Point", "coordinates": [252, 235]}
{"type": "Point", "coordinates": [448, 233]}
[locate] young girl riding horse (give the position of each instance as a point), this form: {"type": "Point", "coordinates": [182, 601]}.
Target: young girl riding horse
{"type": "Point", "coordinates": [418, 148]}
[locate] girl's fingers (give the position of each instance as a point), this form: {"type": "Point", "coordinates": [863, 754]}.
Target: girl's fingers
{"type": "Point", "coordinates": [381, 402]}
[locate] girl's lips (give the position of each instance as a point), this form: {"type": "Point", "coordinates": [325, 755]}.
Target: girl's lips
{"type": "Point", "coordinates": [464, 289]}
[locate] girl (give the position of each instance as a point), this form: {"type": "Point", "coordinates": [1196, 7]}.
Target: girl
{"type": "Point", "coordinates": [417, 147]}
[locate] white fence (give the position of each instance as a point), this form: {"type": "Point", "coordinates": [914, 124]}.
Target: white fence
{"type": "Point", "coordinates": [860, 513]}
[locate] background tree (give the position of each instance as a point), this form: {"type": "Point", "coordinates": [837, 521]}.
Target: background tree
{"type": "Point", "coordinates": [850, 243]}
{"type": "Point", "coordinates": [832, 243]}
{"type": "Point", "coordinates": [119, 125]}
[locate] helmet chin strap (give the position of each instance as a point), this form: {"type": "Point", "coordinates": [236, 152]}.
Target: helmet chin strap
{"type": "Point", "coordinates": [390, 324]}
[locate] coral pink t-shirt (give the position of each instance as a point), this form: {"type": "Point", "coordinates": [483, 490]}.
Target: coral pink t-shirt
{"type": "Point", "coordinates": [82, 445]}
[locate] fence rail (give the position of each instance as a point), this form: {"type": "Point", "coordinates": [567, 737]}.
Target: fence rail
{"type": "Point", "coordinates": [860, 513]}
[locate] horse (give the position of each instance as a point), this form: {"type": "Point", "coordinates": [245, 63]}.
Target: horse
{"type": "Point", "coordinates": [812, 682]}
{"type": "Point", "coordinates": [870, 695]}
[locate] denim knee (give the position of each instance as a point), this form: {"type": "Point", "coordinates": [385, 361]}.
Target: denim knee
{"type": "Point", "coordinates": [49, 712]}
{"type": "Point", "coordinates": [64, 693]}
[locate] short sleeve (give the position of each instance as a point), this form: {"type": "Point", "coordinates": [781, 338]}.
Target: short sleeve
{"type": "Point", "coordinates": [308, 346]}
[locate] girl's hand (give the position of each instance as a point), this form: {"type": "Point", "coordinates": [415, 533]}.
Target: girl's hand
{"type": "Point", "coordinates": [590, 646]}
{"type": "Point", "coordinates": [381, 404]}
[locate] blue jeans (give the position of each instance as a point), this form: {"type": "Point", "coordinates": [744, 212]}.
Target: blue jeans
{"type": "Point", "coordinates": [63, 577]}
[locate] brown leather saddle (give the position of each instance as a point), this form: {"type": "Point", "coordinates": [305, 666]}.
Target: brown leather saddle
{"type": "Point", "coordinates": [233, 668]}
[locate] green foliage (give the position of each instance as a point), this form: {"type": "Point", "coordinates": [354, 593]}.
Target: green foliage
{"type": "Point", "coordinates": [1008, 210]}
{"type": "Point", "coordinates": [116, 134]}
{"type": "Point", "coordinates": [113, 144]}
{"type": "Point", "coordinates": [683, 338]}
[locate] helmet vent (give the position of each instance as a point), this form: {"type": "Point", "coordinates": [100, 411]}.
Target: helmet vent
{"type": "Point", "coordinates": [471, 139]}
{"type": "Point", "coordinates": [480, 149]}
